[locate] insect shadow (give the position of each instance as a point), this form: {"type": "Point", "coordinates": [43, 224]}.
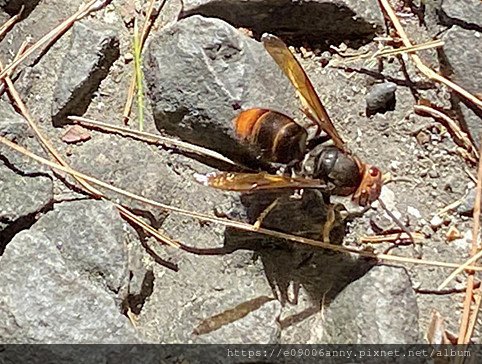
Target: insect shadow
{"type": "Point", "coordinates": [322, 273]}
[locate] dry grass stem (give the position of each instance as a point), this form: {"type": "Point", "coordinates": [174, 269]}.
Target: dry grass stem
{"type": "Point", "coordinates": [463, 339]}
{"type": "Point", "coordinates": [460, 269]}
{"type": "Point", "coordinates": [391, 52]}
{"type": "Point", "coordinates": [91, 6]}
{"type": "Point", "coordinates": [152, 138]}
{"type": "Point", "coordinates": [460, 137]}
{"type": "Point", "coordinates": [9, 23]}
{"type": "Point", "coordinates": [427, 71]}
{"type": "Point", "coordinates": [231, 223]}
{"type": "Point", "coordinates": [89, 188]}
{"type": "Point", "coordinates": [376, 239]}
{"type": "Point", "coordinates": [473, 317]}
{"type": "Point", "coordinates": [145, 32]}
{"type": "Point", "coordinates": [21, 50]}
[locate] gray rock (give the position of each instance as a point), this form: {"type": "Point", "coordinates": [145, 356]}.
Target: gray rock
{"type": "Point", "coordinates": [206, 286]}
{"type": "Point", "coordinates": [142, 169]}
{"type": "Point", "coordinates": [310, 20]}
{"type": "Point", "coordinates": [200, 72]}
{"type": "Point", "coordinates": [379, 308]}
{"type": "Point", "coordinates": [25, 187]}
{"type": "Point", "coordinates": [42, 18]}
{"type": "Point", "coordinates": [23, 197]}
{"type": "Point", "coordinates": [461, 50]}
{"type": "Point", "coordinates": [381, 97]}
{"type": "Point", "coordinates": [465, 13]}
{"type": "Point", "coordinates": [93, 49]}
{"type": "Point", "coordinates": [59, 281]}
{"type": "Point", "coordinates": [467, 206]}
{"type": "Point", "coordinates": [15, 128]}
{"type": "Point", "coordinates": [462, 61]}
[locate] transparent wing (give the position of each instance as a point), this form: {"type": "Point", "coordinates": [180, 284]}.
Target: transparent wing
{"type": "Point", "coordinates": [312, 105]}
{"type": "Point", "coordinates": [249, 182]}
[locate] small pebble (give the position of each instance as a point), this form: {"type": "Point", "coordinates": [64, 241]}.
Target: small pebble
{"type": "Point", "coordinates": [422, 138]}
{"type": "Point", "coordinates": [75, 134]}
{"type": "Point", "coordinates": [381, 98]}
{"type": "Point", "coordinates": [427, 231]}
{"type": "Point", "coordinates": [325, 58]}
{"type": "Point", "coordinates": [433, 173]}
{"type": "Point", "coordinates": [394, 165]}
{"type": "Point", "coordinates": [414, 212]}
{"type": "Point", "coordinates": [436, 221]}
{"type": "Point", "coordinates": [467, 205]}
{"type": "Point", "coordinates": [128, 57]}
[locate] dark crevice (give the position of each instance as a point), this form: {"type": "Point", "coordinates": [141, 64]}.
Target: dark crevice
{"type": "Point", "coordinates": [81, 97]}
{"type": "Point", "coordinates": [143, 237]}
{"type": "Point", "coordinates": [97, 274]}
{"type": "Point", "coordinates": [22, 223]}
{"type": "Point", "coordinates": [321, 22]}
{"type": "Point", "coordinates": [449, 21]}
{"type": "Point", "coordinates": [13, 7]}
{"type": "Point", "coordinates": [18, 171]}
{"type": "Point", "coordinates": [135, 302]}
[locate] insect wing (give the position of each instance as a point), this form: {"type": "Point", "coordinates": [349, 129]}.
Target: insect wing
{"type": "Point", "coordinates": [312, 105]}
{"type": "Point", "coordinates": [249, 182]}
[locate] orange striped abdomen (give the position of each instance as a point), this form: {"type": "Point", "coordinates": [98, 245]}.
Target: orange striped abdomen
{"type": "Point", "coordinates": [277, 137]}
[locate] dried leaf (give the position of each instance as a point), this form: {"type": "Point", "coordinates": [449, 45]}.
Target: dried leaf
{"type": "Point", "coordinates": [231, 315]}
{"type": "Point", "coordinates": [453, 233]}
{"type": "Point", "coordinates": [75, 134]}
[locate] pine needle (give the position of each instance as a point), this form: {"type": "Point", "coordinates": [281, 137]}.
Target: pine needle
{"type": "Point", "coordinates": [139, 77]}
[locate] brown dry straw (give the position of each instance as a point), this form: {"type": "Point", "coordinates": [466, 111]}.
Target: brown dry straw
{"type": "Point", "coordinates": [464, 332]}
{"type": "Point", "coordinates": [89, 188]}
{"type": "Point", "coordinates": [91, 6]}
{"type": "Point", "coordinates": [427, 71]}
{"type": "Point", "coordinates": [233, 223]}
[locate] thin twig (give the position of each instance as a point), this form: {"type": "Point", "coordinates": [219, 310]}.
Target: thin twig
{"type": "Point", "coordinates": [92, 5]}
{"type": "Point", "coordinates": [152, 139]}
{"type": "Point", "coordinates": [10, 22]}
{"type": "Point", "coordinates": [387, 238]}
{"type": "Point", "coordinates": [391, 52]}
{"type": "Point", "coordinates": [463, 331]}
{"type": "Point", "coordinates": [460, 136]}
{"type": "Point", "coordinates": [427, 71]}
{"type": "Point", "coordinates": [89, 188]}
{"type": "Point", "coordinates": [21, 50]}
{"type": "Point", "coordinates": [231, 223]}
{"type": "Point", "coordinates": [138, 76]}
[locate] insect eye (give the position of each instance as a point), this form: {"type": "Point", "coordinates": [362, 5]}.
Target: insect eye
{"type": "Point", "coordinates": [374, 172]}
